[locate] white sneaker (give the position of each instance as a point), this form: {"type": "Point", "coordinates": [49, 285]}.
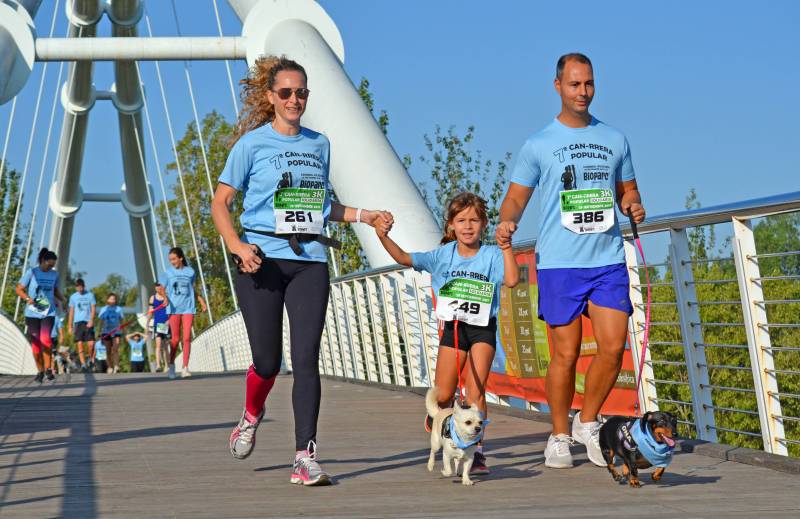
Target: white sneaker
{"type": "Point", "coordinates": [185, 373]}
{"type": "Point", "coordinates": [171, 372]}
{"type": "Point", "coordinates": [110, 370]}
{"type": "Point", "coordinates": [588, 433]}
{"type": "Point", "coordinates": [116, 369]}
{"type": "Point", "coordinates": [557, 454]}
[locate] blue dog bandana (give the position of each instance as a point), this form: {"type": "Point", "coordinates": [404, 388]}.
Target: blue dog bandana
{"type": "Point", "coordinates": [461, 444]}
{"type": "Point", "coordinates": [658, 454]}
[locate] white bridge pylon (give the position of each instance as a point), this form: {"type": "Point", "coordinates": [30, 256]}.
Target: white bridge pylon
{"type": "Point", "coordinates": [365, 170]}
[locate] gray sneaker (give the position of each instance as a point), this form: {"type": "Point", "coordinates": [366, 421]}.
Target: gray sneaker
{"type": "Point", "coordinates": [588, 433]}
{"type": "Point", "coordinates": [306, 471]}
{"type": "Point", "coordinates": [243, 437]}
{"type": "Point", "coordinates": [557, 454]}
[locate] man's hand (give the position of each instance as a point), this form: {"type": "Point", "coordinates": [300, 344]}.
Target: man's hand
{"type": "Point", "coordinates": [503, 234]}
{"type": "Point", "coordinates": [633, 209]}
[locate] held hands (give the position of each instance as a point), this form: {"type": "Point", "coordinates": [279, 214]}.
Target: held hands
{"type": "Point", "coordinates": [381, 221]}
{"type": "Point", "coordinates": [503, 234]}
{"type": "Point", "coordinates": [250, 260]}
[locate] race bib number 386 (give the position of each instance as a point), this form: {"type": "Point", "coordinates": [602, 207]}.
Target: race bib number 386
{"type": "Point", "coordinates": [467, 300]}
{"type": "Point", "coordinates": [299, 210]}
{"type": "Point", "coordinates": [585, 211]}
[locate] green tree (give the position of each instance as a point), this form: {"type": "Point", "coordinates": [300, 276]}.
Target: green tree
{"type": "Point", "coordinates": [9, 197]}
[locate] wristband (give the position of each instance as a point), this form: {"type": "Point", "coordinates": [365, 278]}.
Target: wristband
{"type": "Point", "coordinates": [358, 215]}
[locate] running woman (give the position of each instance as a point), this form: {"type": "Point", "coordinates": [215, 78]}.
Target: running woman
{"type": "Point", "coordinates": [179, 281]}
{"type": "Point", "coordinates": [111, 315]}
{"type": "Point", "coordinates": [282, 170]}
{"type": "Point", "coordinates": [136, 343]}
{"type": "Point", "coordinates": [39, 289]}
{"type": "Point", "coordinates": [582, 167]}
{"type": "Point", "coordinates": [82, 311]}
{"type": "Point", "coordinates": [461, 268]}
{"type": "Point", "coordinates": [159, 327]}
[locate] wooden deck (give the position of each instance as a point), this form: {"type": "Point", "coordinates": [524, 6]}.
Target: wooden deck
{"type": "Point", "coordinates": [143, 446]}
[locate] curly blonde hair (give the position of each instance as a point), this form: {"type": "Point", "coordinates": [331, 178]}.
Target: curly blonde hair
{"type": "Point", "coordinates": [257, 110]}
{"type": "Point", "coordinates": [460, 202]}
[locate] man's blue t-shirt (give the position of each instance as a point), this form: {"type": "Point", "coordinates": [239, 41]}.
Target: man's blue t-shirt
{"type": "Point", "coordinates": [260, 161]}
{"type": "Point", "coordinates": [137, 350]}
{"type": "Point", "coordinates": [445, 263]}
{"type": "Point", "coordinates": [82, 304]}
{"type": "Point", "coordinates": [179, 284]}
{"type": "Point", "coordinates": [41, 287]}
{"type": "Point", "coordinates": [559, 158]}
{"type": "Point", "coordinates": [111, 316]}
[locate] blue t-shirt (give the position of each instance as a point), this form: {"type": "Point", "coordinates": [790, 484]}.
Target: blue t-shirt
{"type": "Point", "coordinates": [445, 263]}
{"type": "Point", "coordinates": [179, 284]}
{"type": "Point", "coordinates": [41, 287]}
{"type": "Point", "coordinates": [82, 303]}
{"type": "Point", "coordinates": [57, 324]}
{"type": "Point", "coordinates": [111, 316]}
{"type": "Point", "coordinates": [100, 350]}
{"type": "Point", "coordinates": [262, 159]}
{"type": "Point", "coordinates": [137, 350]}
{"type": "Point", "coordinates": [597, 156]}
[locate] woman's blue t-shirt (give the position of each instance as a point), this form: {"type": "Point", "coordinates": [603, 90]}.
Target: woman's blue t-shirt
{"type": "Point", "coordinates": [260, 161]}
{"type": "Point", "coordinates": [41, 287]}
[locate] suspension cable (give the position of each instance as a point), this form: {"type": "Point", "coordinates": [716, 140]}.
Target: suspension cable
{"type": "Point", "coordinates": [8, 136]}
{"type": "Point", "coordinates": [227, 63]}
{"type": "Point", "coordinates": [26, 164]}
{"type": "Point", "coordinates": [201, 140]}
{"type": "Point", "coordinates": [180, 179]}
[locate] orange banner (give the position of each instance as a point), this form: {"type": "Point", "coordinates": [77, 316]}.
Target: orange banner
{"type": "Point", "coordinates": [520, 365]}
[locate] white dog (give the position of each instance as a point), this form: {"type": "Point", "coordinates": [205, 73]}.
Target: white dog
{"type": "Point", "coordinates": [456, 431]}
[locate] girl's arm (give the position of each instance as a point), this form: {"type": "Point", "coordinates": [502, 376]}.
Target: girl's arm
{"type": "Point", "coordinates": [394, 250]}
{"type": "Point", "coordinates": [201, 301]}
{"type": "Point", "coordinates": [343, 213]}
{"type": "Point", "coordinates": [511, 269]}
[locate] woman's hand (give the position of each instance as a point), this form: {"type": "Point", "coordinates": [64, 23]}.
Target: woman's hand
{"type": "Point", "coordinates": [247, 253]}
{"type": "Point", "coordinates": [377, 218]}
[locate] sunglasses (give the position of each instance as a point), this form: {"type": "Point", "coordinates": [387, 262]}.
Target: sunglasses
{"type": "Point", "coordinates": [286, 93]}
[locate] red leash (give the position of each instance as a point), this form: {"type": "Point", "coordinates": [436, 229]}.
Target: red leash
{"type": "Point", "coordinates": [122, 326]}
{"type": "Point", "coordinates": [646, 336]}
{"type": "Point", "coordinates": [459, 388]}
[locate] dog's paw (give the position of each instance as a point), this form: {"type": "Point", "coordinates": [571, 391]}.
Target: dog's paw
{"type": "Point", "coordinates": [619, 478]}
{"type": "Point", "coordinates": [635, 483]}
{"type": "Point", "coordinates": [467, 482]}
{"type": "Point", "coordinates": [430, 467]}
{"type": "Point", "coordinates": [447, 473]}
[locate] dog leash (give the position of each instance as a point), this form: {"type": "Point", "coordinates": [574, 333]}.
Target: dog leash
{"type": "Point", "coordinates": [646, 335]}
{"type": "Point", "coordinates": [122, 326]}
{"type": "Point", "coordinates": [459, 388]}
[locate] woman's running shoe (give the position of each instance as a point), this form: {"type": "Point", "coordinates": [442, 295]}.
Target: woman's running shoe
{"type": "Point", "coordinates": [49, 375]}
{"type": "Point", "coordinates": [39, 377]}
{"type": "Point", "coordinates": [479, 467]}
{"type": "Point", "coordinates": [171, 372]}
{"type": "Point", "coordinates": [243, 437]}
{"type": "Point", "coordinates": [306, 470]}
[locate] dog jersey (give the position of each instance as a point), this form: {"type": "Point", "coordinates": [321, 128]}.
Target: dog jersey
{"type": "Point", "coordinates": [474, 274]}
{"type": "Point", "coordinates": [576, 171]}
{"type": "Point", "coordinates": [284, 184]}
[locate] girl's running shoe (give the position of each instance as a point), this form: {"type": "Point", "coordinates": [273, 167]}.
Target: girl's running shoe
{"type": "Point", "coordinates": [243, 437]}
{"type": "Point", "coordinates": [479, 467]}
{"type": "Point", "coordinates": [306, 470]}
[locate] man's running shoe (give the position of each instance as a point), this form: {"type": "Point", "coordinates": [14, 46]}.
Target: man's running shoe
{"type": "Point", "coordinates": [428, 423]}
{"type": "Point", "coordinates": [39, 377]}
{"type": "Point", "coordinates": [588, 433]}
{"type": "Point", "coordinates": [479, 467]}
{"type": "Point", "coordinates": [306, 470]}
{"type": "Point", "coordinates": [243, 437]}
{"type": "Point", "coordinates": [49, 375]}
{"type": "Point", "coordinates": [557, 454]}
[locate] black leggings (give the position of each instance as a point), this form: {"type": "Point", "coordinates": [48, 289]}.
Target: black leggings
{"type": "Point", "coordinates": [303, 287]}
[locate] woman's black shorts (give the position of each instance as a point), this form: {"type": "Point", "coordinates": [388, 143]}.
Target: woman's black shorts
{"type": "Point", "coordinates": [469, 334]}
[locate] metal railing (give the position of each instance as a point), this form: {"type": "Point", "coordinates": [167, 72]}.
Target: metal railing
{"type": "Point", "coordinates": [15, 351]}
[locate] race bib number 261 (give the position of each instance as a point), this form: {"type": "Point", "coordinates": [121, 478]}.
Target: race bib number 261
{"type": "Point", "coordinates": [299, 210]}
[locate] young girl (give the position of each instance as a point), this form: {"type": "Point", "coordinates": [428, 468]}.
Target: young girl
{"type": "Point", "coordinates": [160, 326]}
{"type": "Point", "coordinates": [111, 315]}
{"type": "Point", "coordinates": [39, 289]}
{"type": "Point", "coordinates": [466, 278]}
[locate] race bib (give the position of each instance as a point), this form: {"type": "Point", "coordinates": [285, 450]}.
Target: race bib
{"type": "Point", "coordinates": [298, 210]}
{"type": "Point", "coordinates": [162, 328]}
{"type": "Point", "coordinates": [40, 306]}
{"type": "Point", "coordinates": [587, 211]}
{"type": "Point", "coordinates": [468, 300]}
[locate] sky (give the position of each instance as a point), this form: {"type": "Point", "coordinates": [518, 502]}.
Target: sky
{"type": "Point", "coordinates": [702, 90]}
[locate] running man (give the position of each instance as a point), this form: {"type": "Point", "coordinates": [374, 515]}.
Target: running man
{"type": "Point", "coordinates": [82, 312]}
{"type": "Point", "coordinates": [136, 343]}
{"type": "Point", "coordinates": [159, 326]}
{"type": "Point", "coordinates": [281, 169]}
{"type": "Point", "coordinates": [179, 281]}
{"type": "Point", "coordinates": [39, 289]}
{"type": "Point", "coordinates": [111, 315]}
{"type": "Point", "coordinates": [582, 167]}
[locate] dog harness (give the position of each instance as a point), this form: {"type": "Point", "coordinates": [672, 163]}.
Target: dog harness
{"type": "Point", "coordinates": [635, 435]}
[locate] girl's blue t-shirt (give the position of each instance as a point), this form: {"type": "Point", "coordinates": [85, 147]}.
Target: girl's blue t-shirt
{"type": "Point", "coordinates": [445, 263]}
{"type": "Point", "coordinates": [260, 161]}
{"type": "Point", "coordinates": [100, 350]}
{"type": "Point", "coordinates": [41, 287]}
{"type": "Point", "coordinates": [179, 284]}
{"type": "Point", "coordinates": [111, 316]}
{"type": "Point", "coordinates": [82, 304]}
{"type": "Point", "coordinates": [137, 350]}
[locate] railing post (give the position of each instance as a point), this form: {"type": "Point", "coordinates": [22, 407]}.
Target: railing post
{"type": "Point", "coordinates": [692, 335]}
{"type": "Point", "coordinates": [429, 347]}
{"type": "Point", "coordinates": [758, 340]}
{"type": "Point", "coordinates": [287, 341]}
{"type": "Point", "coordinates": [392, 331]}
{"type": "Point", "coordinates": [356, 343]}
{"type": "Point", "coordinates": [414, 354]}
{"type": "Point", "coordinates": [345, 341]}
{"type": "Point", "coordinates": [382, 359]}
{"type": "Point", "coordinates": [367, 341]}
{"type": "Point", "coordinates": [647, 390]}
{"type": "Point", "coordinates": [334, 338]}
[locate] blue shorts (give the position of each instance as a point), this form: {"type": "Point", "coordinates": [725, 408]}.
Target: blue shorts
{"type": "Point", "coordinates": [564, 294]}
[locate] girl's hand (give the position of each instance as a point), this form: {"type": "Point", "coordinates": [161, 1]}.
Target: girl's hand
{"type": "Point", "coordinates": [376, 218]}
{"type": "Point", "coordinates": [247, 253]}
{"type": "Point", "coordinates": [503, 234]}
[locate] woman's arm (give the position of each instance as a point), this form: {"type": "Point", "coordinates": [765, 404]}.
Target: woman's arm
{"type": "Point", "coordinates": [510, 268]}
{"type": "Point", "coordinates": [60, 297]}
{"type": "Point", "coordinates": [20, 291]}
{"type": "Point", "coordinates": [343, 213]}
{"type": "Point", "coordinates": [221, 214]}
